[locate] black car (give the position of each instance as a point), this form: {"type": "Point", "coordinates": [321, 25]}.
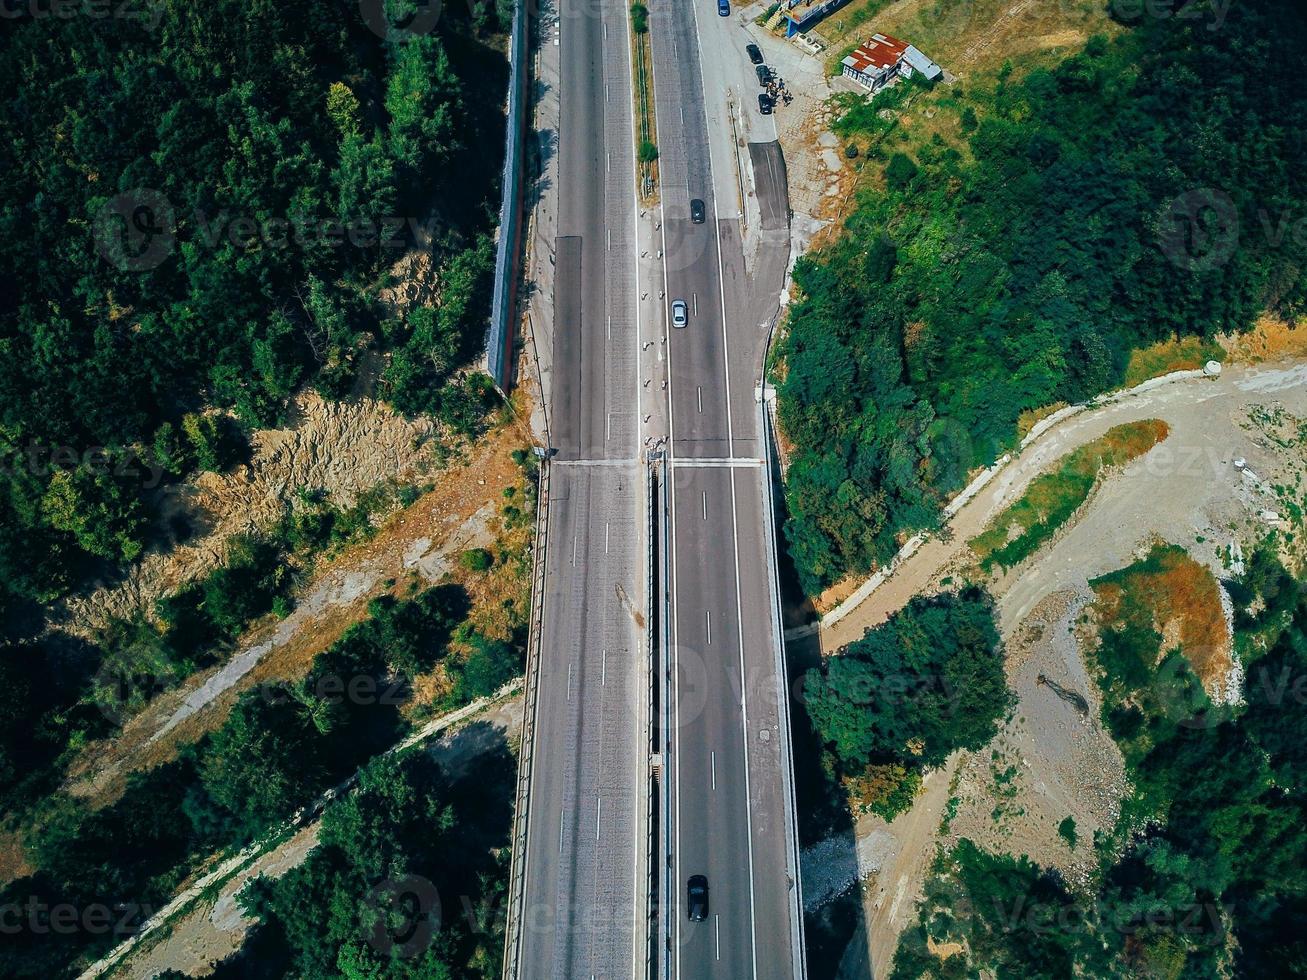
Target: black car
{"type": "Point", "coordinates": [697, 211]}
{"type": "Point", "coordinates": [764, 103]}
{"type": "Point", "coordinates": [755, 54]}
{"type": "Point", "coordinates": [696, 892]}
{"type": "Point", "coordinates": [764, 74]}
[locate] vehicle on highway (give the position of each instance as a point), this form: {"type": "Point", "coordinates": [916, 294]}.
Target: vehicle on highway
{"type": "Point", "coordinates": [754, 52]}
{"type": "Point", "coordinates": [697, 211]}
{"type": "Point", "coordinates": [680, 313]}
{"type": "Point", "coordinates": [723, 8]}
{"type": "Point", "coordinates": [764, 103]}
{"type": "Point", "coordinates": [696, 892]}
{"type": "Point", "coordinates": [764, 75]}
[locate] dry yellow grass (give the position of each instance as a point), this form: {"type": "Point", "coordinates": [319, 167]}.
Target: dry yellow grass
{"type": "Point", "coordinates": [1270, 339]}
{"type": "Point", "coordinates": [1031, 417]}
{"type": "Point", "coordinates": [1165, 356]}
{"type": "Point", "coordinates": [971, 37]}
{"type": "Point", "coordinates": [1185, 600]}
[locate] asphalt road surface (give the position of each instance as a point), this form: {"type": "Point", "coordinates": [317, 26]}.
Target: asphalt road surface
{"type": "Point", "coordinates": [583, 910]}
{"type": "Point", "coordinates": [729, 807]}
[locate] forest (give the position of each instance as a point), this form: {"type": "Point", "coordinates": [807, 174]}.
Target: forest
{"type": "Point", "coordinates": [1152, 185]}
{"type": "Point", "coordinates": [1202, 877]}
{"type": "Point", "coordinates": [201, 205]}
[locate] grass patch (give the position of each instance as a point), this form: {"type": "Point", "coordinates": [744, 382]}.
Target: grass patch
{"type": "Point", "coordinates": [1165, 356]}
{"type": "Point", "coordinates": [1167, 602]}
{"type": "Point", "coordinates": [1031, 417]}
{"type": "Point", "coordinates": [1053, 497]}
{"type": "Point", "coordinates": [646, 125]}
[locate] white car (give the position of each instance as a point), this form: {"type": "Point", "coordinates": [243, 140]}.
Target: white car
{"type": "Point", "coordinates": [680, 313]}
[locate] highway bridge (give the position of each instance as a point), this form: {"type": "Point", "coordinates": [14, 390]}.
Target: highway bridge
{"type": "Point", "coordinates": [657, 743]}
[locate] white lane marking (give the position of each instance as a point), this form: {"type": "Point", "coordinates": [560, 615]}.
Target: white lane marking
{"type": "Point", "coordinates": [608, 427]}
{"type": "Point", "coordinates": [709, 462]}
{"type": "Point", "coordinates": [619, 463]}
{"type": "Point", "coordinates": [708, 614]}
{"type": "Point", "coordinates": [712, 759]}
{"type": "Point", "coordinates": [574, 549]}
{"type": "Point", "coordinates": [562, 815]}
{"type": "Point", "coordinates": [610, 239]}
{"type": "Point", "coordinates": [606, 530]}
{"type": "Point", "coordinates": [610, 317]}
{"type": "Point", "coordinates": [705, 505]}
{"type": "Point", "coordinates": [603, 670]}
{"type": "Point", "coordinates": [699, 395]}
{"type": "Point", "coordinates": [599, 809]}
{"type": "Point", "coordinates": [717, 921]}
{"type": "Point", "coordinates": [610, 161]}
{"type": "Point", "coordinates": [695, 297]}
{"type": "Point", "coordinates": [682, 112]}
{"type": "Point", "coordinates": [569, 682]}
{"type": "Point", "coordinates": [606, 98]}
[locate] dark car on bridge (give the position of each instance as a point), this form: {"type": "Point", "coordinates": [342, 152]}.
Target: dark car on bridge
{"type": "Point", "coordinates": [696, 898]}
{"type": "Point", "coordinates": [764, 74]}
{"type": "Point", "coordinates": [764, 103]}
{"type": "Point", "coordinates": [697, 211]}
{"type": "Point", "coordinates": [754, 52]}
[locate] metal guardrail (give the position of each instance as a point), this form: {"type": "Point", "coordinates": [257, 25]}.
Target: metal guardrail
{"type": "Point", "coordinates": [663, 682]}
{"type": "Point", "coordinates": [655, 891]}
{"type": "Point", "coordinates": [799, 954]}
{"type": "Point", "coordinates": [526, 752]}
{"type": "Point", "coordinates": [499, 335]}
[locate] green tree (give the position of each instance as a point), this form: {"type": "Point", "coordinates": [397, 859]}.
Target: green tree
{"type": "Point", "coordinates": [926, 682]}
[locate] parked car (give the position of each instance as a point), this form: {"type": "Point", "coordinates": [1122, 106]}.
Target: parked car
{"type": "Point", "coordinates": [764, 103]}
{"type": "Point", "coordinates": [680, 313]}
{"type": "Point", "coordinates": [697, 211]}
{"type": "Point", "coordinates": [764, 74]}
{"type": "Point", "coordinates": [755, 53]}
{"type": "Point", "coordinates": [723, 8]}
{"type": "Point", "coordinates": [696, 895]}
